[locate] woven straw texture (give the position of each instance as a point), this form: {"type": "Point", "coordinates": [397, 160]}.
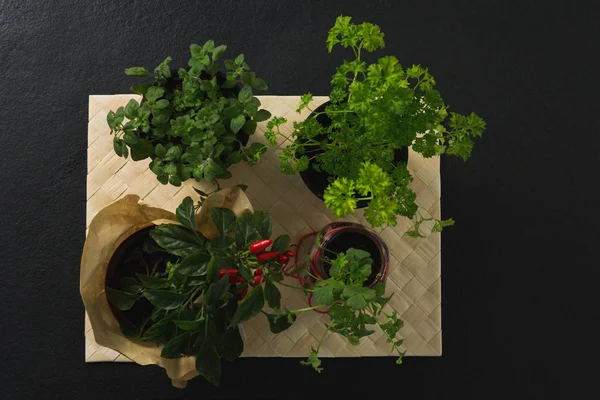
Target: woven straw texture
{"type": "Point", "coordinates": [415, 264]}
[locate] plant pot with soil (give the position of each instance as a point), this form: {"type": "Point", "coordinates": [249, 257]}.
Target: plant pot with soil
{"type": "Point", "coordinates": [194, 123]}
{"type": "Point", "coordinates": [356, 145]}
{"type": "Point", "coordinates": [344, 276]}
{"type": "Point", "coordinates": [339, 237]}
{"type": "Point", "coordinates": [172, 293]}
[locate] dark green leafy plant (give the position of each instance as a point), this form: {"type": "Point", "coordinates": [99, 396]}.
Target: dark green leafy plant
{"type": "Point", "coordinates": [194, 284]}
{"type": "Point", "coordinates": [190, 124]}
{"type": "Point", "coordinates": [353, 307]}
{"type": "Point", "coordinates": [375, 110]}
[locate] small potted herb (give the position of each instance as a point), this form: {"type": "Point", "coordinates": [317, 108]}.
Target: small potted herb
{"type": "Point", "coordinates": [192, 123]}
{"type": "Point", "coordinates": [352, 151]}
{"type": "Point", "coordinates": [169, 285]}
{"type": "Point", "coordinates": [349, 283]}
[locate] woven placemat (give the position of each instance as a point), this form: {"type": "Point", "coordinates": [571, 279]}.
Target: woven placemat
{"type": "Point", "coordinates": [415, 264]}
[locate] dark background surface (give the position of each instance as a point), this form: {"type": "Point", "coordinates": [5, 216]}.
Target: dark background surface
{"type": "Point", "coordinates": [517, 267]}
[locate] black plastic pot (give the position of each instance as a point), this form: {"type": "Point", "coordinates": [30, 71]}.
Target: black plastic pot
{"type": "Point", "coordinates": [338, 237]}
{"type": "Point", "coordinates": [120, 266]}
{"type": "Point", "coordinates": [317, 181]}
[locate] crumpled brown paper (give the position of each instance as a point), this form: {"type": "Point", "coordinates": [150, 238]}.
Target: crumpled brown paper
{"type": "Point", "coordinates": [107, 231]}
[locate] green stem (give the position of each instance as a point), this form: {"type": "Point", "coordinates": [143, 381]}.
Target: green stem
{"type": "Point", "coordinates": [355, 73]}
{"type": "Point", "coordinates": [294, 287]}
{"type": "Point", "coordinates": [390, 338]}
{"type": "Point", "coordinates": [334, 112]}
{"type": "Point", "coordinates": [310, 274]}
{"type": "Point", "coordinates": [192, 296]}
{"type": "Point", "coordinates": [417, 85]}
{"type": "Point", "coordinates": [322, 339]}
{"type": "Point", "coordinates": [305, 309]}
{"type": "Point", "coordinates": [311, 143]}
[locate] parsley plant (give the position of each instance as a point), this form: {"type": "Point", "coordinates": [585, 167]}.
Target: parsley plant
{"type": "Point", "coordinates": [375, 109]}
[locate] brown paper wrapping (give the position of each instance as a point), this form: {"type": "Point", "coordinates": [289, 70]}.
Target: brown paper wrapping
{"type": "Point", "coordinates": [109, 228]}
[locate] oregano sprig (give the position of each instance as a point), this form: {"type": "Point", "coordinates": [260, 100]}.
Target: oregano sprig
{"type": "Point", "coordinates": [190, 123]}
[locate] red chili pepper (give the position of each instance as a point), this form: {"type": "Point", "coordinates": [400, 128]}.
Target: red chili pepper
{"type": "Point", "coordinates": [257, 280]}
{"type": "Point", "coordinates": [242, 294]}
{"type": "Point", "coordinates": [233, 277]}
{"type": "Point", "coordinates": [229, 272]}
{"type": "Point", "coordinates": [267, 255]}
{"type": "Point", "coordinates": [283, 259]}
{"type": "Point", "coordinates": [290, 253]}
{"type": "Point", "coordinates": [260, 245]}
{"type": "Point", "coordinates": [258, 277]}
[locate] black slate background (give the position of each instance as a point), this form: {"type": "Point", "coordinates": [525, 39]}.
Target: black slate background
{"type": "Point", "coordinates": [517, 268]}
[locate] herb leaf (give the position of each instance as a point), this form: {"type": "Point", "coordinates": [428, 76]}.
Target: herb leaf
{"type": "Point", "coordinates": [249, 307]}
{"type": "Point", "coordinates": [272, 295]}
{"type": "Point", "coordinates": [208, 362]}
{"type": "Point", "coordinates": [175, 346]}
{"type": "Point", "coordinates": [178, 240]}
{"type": "Point", "coordinates": [232, 344]}
{"type": "Point", "coordinates": [164, 299]}
{"type": "Point", "coordinates": [194, 265]}
{"type": "Point", "coordinates": [186, 213]}
{"type": "Point", "coordinates": [279, 324]}
{"type": "Point", "coordinates": [120, 299]}
{"type": "Point", "coordinates": [224, 219]}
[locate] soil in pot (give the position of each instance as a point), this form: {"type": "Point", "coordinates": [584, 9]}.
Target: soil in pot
{"type": "Point", "coordinates": [359, 238]}
{"type": "Point", "coordinates": [128, 260]}
{"type": "Point", "coordinates": [317, 181]}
